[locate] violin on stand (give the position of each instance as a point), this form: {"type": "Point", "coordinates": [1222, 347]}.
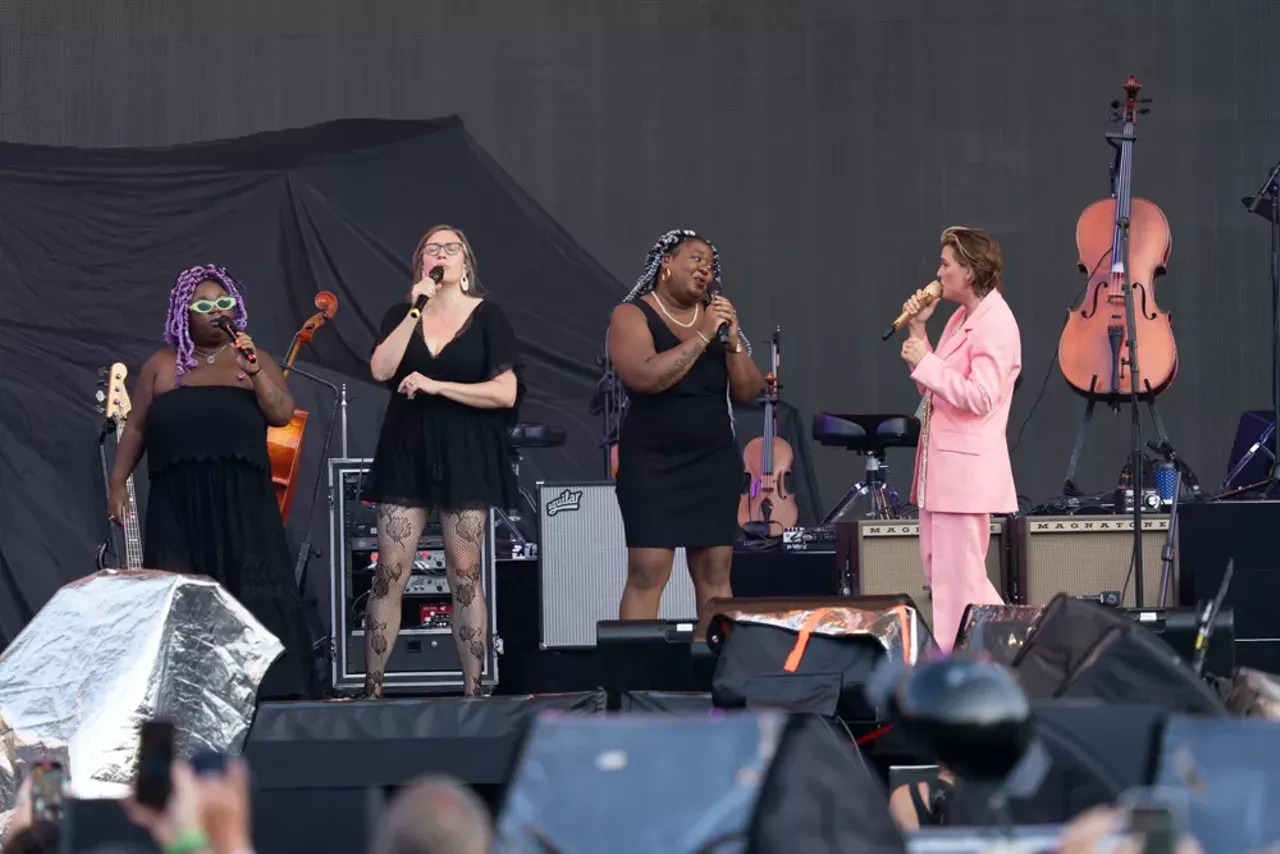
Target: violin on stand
{"type": "Point", "coordinates": [768, 506]}
{"type": "Point", "coordinates": [1124, 244]}
{"type": "Point", "coordinates": [284, 444]}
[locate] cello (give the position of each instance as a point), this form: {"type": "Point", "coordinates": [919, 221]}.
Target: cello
{"type": "Point", "coordinates": [1122, 241]}
{"type": "Point", "coordinates": [284, 444]}
{"type": "Point", "coordinates": [767, 506]}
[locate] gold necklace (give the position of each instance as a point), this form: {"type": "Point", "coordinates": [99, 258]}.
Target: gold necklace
{"type": "Point", "coordinates": [670, 317]}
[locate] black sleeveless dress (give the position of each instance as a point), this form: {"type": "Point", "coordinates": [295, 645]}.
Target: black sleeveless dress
{"type": "Point", "coordinates": [212, 511]}
{"type": "Point", "coordinates": [679, 470]}
{"type": "Point", "coordinates": [438, 453]}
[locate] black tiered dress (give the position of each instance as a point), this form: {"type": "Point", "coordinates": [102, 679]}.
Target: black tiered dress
{"type": "Point", "coordinates": [212, 511]}
{"type": "Point", "coordinates": [438, 453]}
{"type": "Point", "coordinates": [679, 470]}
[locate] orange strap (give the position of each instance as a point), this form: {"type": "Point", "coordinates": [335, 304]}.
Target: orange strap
{"type": "Point", "coordinates": [797, 651]}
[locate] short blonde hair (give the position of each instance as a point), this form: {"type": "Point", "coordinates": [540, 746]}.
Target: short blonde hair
{"type": "Point", "coordinates": [980, 252]}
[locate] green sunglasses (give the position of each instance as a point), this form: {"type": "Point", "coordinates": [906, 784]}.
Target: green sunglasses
{"type": "Point", "coordinates": [204, 306]}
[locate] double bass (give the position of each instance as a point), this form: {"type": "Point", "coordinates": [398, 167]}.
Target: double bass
{"type": "Point", "coordinates": [1120, 239]}
{"type": "Point", "coordinates": [284, 444]}
{"type": "Point", "coordinates": [767, 505]}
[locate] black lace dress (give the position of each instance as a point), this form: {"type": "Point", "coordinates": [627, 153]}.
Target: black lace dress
{"type": "Point", "coordinates": [439, 453]}
{"type": "Point", "coordinates": [679, 470]}
{"type": "Point", "coordinates": [212, 511]}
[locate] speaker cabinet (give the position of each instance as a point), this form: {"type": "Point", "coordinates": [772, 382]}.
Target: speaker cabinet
{"type": "Point", "coordinates": [584, 565]}
{"type": "Point", "coordinates": [1088, 557]}
{"type": "Point", "coordinates": [882, 558]}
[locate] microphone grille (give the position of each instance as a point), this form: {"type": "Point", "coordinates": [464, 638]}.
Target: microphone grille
{"type": "Point", "coordinates": [934, 288]}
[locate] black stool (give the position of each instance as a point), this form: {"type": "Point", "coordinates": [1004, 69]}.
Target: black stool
{"type": "Point", "coordinates": [870, 436]}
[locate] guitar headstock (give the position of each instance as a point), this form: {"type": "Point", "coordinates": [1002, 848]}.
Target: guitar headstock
{"type": "Point", "coordinates": [113, 397]}
{"type": "Point", "coordinates": [1129, 110]}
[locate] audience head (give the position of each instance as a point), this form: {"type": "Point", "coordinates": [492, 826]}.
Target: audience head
{"type": "Point", "coordinates": [434, 815]}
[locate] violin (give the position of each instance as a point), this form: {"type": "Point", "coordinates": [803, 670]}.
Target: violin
{"type": "Point", "coordinates": [284, 444]}
{"type": "Point", "coordinates": [767, 505]}
{"type": "Point", "coordinates": [1120, 239]}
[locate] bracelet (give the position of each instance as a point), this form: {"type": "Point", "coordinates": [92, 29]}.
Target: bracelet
{"type": "Point", "coordinates": [704, 338]}
{"type": "Point", "coordinates": [190, 840]}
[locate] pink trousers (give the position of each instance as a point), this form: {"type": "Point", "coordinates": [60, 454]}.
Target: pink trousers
{"type": "Point", "coordinates": [953, 547]}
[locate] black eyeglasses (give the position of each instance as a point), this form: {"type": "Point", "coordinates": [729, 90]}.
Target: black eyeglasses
{"type": "Point", "coordinates": [449, 248]}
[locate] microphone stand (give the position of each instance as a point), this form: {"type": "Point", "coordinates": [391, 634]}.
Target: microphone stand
{"type": "Point", "coordinates": [1135, 381]}
{"type": "Point", "coordinates": [306, 551]}
{"type": "Point", "coordinates": [1266, 202]}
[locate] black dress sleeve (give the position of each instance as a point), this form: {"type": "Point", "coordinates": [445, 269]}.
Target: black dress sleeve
{"type": "Point", "coordinates": [501, 349]}
{"type": "Point", "coordinates": [390, 321]}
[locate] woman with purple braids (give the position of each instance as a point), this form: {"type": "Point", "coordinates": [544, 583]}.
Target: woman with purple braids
{"type": "Point", "coordinates": [200, 412]}
{"type": "Point", "coordinates": [679, 469]}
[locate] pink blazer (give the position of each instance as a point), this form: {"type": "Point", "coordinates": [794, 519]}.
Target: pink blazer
{"type": "Point", "coordinates": [971, 375]}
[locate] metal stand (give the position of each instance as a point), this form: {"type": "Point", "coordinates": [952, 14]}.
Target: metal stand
{"type": "Point", "coordinates": [1166, 553]}
{"type": "Point", "coordinates": [1135, 418]}
{"type": "Point", "coordinates": [345, 455]}
{"type": "Point", "coordinates": [306, 551]}
{"type": "Point", "coordinates": [873, 487]}
{"type": "Point", "coordinates": [510, 520]}
{"type": "Point", "coordinates": [1266, 203]}
{"type": "Point", "coordinates": [610, 403]}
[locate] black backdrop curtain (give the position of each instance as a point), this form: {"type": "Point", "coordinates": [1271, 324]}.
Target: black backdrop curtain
{"type": "Point", "coordinates": [90, 244]}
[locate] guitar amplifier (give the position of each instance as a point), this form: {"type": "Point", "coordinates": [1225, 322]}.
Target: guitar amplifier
{"type": "Point", "coordinates": [882, 558]}
{"type": "Point", "coordinates": [584, 565]}
{"type": "Point", "coordinates": [1088, 557]}
{"type": "Point", "coordinates": [424, 657]}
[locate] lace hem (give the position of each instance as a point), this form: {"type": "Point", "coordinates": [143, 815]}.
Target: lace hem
{"type": "Point", "coordinates": [159, 464]}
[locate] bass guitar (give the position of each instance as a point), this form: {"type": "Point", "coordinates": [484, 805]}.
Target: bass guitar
{"type": "Point", "coordinates": [768, 505]}
{"type": "Point", "coordinates": [284, 444]}
{"type": "Point", "coordinates": [114, 404]}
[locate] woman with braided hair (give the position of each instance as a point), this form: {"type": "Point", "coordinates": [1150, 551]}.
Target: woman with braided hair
{"type": "Point", "coordinates": [200, 412]}
{"type": "Point", "coordinates": [679, 470]}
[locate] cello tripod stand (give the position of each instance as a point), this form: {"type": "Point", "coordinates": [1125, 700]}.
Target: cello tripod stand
{"type": "Point", "coordinates": [1266, 203]}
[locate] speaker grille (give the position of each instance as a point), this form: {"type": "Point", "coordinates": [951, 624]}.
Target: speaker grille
{"type": "Point", "coordinates": [584, 565]}
{"type": "Point", "coordinates": [1088, 556]}
{"type": "Point", "coordinates": [889, 563]}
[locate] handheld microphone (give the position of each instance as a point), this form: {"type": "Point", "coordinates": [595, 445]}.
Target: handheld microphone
{"type": "Point", "coordinates": [436, 274]}
{"type": "Point", "coordinates": [226, 326]}
{"type": "Point", "coordinates": [932, 291]}
{"type": "Point", "coordinates": [723, 332]}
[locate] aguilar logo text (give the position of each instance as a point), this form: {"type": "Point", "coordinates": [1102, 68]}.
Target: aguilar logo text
{"type": "Point", "coordinates": [569, 499]}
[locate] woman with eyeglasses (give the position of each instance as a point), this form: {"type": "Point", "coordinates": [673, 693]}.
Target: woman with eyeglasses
{"type": "Point", "coordinates": [454, 375]}
{"type": "Point", "coordinates": [200, 413]}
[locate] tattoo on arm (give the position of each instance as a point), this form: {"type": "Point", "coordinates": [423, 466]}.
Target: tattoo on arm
{"type": "Point", "coordinates": [677, 370]}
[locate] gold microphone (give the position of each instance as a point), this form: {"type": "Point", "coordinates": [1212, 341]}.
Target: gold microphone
{"type": "Point", "coordinates": [932, 291]}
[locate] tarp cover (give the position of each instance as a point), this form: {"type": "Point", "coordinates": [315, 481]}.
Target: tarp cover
{"type": "Point", "coordinates": [90, 244]}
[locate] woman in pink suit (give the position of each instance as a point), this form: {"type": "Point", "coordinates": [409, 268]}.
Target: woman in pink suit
{"type": "Point", "coordinates": [962, 470]}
